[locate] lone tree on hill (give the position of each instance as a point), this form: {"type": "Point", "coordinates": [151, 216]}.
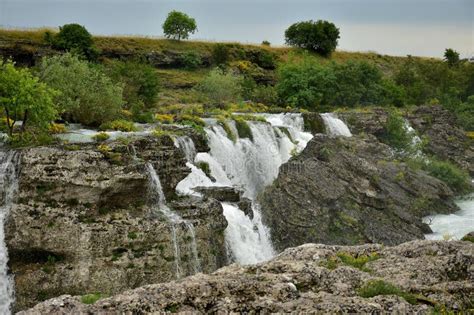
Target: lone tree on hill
{"type": "Point", "coordinates": [75, 38]}
{"type": "Point", "coordinates": [451, 57]}
{"type": "Point", "coordinates": [320, 36]}
{"type": "Point", "coordinates": [179, 25]}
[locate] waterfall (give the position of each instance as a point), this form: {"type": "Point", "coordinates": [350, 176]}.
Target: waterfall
{"type": "Point", "coordinates": [186, 145]}
{"type": "Point", "coordinates": [249, 165]}
{"type": "Point", "coordinates": [9, 185]}
{"type": "Point", "coordinates": [159, 200]}
{"type": "Point", "coordinates": [335, 126]}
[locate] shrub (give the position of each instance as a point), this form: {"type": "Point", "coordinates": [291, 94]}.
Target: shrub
{"type": "Point", "coordinates": [220, 54]}
{"type": "Point", "coordinates": [57, 128]}
{"type": "Point", "coordinates": [221, 87]}
{"type": "Point", "coordinates": [91, 298]}
{"type": "Point", "coordinates": [358, 262]}
{"type": "Point", "coordinates": [465, 114]}
{"type": "Point", "coordinates": [120, 125]}
{"type": "Point", "coordinates": [164, 118]}
{"type": "Point", "coordinates": [396, 134]}
{"type": "Point", "coordinates": [179, 25]}
{"type": "Point", "coordinates": [140, 82]}
{"type": "Point", "coordinates": [87, 95]}
{"type": "Point", "coordinates": [204, 166]}
{"type": "Point", "coordinates": [75, 38]}
{"type": "Point", "coordinates": [320, 36]}
{"type": "Point", "coordinates": [224, 124]}
{"type": "Point", "coordinates": [380, 287]}
{"type": "Point", "coordinates": [101, 137]}
{"type": "Point", "coordinates": [243, 128]}
{"type": "Point", "coordinates": [266, 43]}
{"type": "Point", "coordinates": [447, 172]}
{"type": "Point", "coordinates": [451, 57]}
{"type": "Point", "coordinates": [190, 60]}
{"type": "Point", "coordinates": [23, 97]}
{"type": "Point", "coordinates": [265, 95]}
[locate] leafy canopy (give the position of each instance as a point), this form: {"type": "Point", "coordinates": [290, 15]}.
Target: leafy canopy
{"type": "Point", "coordinates": [23, 97]}
{"type": "Point", "coordinates": [320, 36]}
{"type": "Point", "coordinates": [179, 25]}
{"type": "Point", "coordinates": [451, 57]}
{"type": "Point", "coordinates": [74, 37]}
{"type": "Point", "coordinates": [87, 96]}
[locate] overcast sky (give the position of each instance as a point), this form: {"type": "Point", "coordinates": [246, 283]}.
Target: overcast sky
{"type": "Point", "coordinates": [397, 27]}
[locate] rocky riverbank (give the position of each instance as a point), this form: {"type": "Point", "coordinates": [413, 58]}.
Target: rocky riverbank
{"type": "Point", "coordinates": [415, 277]}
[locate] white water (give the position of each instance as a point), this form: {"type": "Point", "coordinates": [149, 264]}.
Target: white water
{"type": "Point", "coordinates": [186, 145]}
{"type": "Point", "coordinates": [250, 166]}
{"type": "Point", "coordinates": [9, 184]}
{"type": "Point", "coordinates": [453, 226]}
{"type": "Point", "coordinates": [175, 221]}
{"type": "Point", "coordinates": [335, 126]}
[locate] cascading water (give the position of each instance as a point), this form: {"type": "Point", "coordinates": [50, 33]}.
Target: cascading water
{"type": "Point", "coordinates": [249, 165]}
{"type": "Point", "coordinates": [335, 126]}
{"type": "Point", "coordinates": [9, 184]}
{"type": "Point", "coordinates": [175, 221]}
{"type": "Point", "coordinates": [186, 145]}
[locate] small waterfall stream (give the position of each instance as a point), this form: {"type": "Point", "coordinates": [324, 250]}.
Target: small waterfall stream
{"type": "Point", "coordinates": [335, 126]}
{"type": "Point", "coordinates": [186, 144]}
{"type": "Point", "coordinates": [175, 221]}
{"type": "Point", "coordinates": [9, 185]}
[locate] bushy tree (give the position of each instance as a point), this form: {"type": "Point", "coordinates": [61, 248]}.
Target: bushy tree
{"type": "Point", "coordinates": [87, 95]}
{"type": "Point", "coordinates": [23, 97]}
{"type": "Point", "coordinates": [74, 37]}
{"type": "Point", "coordinates": [451, 57]}
{"type": "Point", "coordinates": [221, 87]}
{"type": "Point", "coordinates": [179, 25]}
{"type": "Point", "coordinates": [320, 36]}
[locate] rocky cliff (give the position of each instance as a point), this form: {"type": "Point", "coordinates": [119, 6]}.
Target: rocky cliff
{"type": "Point", "coordinates": [350, 191]}
{"type": "Point", "coordinates": [84, 220]}
{"type": "Point", "coordinates": [418, 277]}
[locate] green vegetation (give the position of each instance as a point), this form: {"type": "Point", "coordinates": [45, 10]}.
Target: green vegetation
{"type": "Point", "coordinates": [396, 133]}
{"type": "Point", "coordinates": [92, 298]}
{"type": "Point", "coordinates": [380, 287]}
{"type": "Point", "coordinates": [358, 262]}
{"type": "Point", "coordinates": [23, 97]}
{"type": "Point", "coordinates": [74, 38]}
{"type": "Point", "coordinates": [179, 25]}
{"type": "Point", "coordinates": [87, 95]}
{"type": "Point", "coordinates": [468, 238]}
{"type": "Point", "coordinates": [243, 128]}
{"type": "Point", "coordinates": [221, 87]}
{"type": "Point", "coordinates": [119, 125]}
{"type": "Point", "coordinates": [449, 173]}
{"type": "Point", "coordinates": [451, 57]}
{"type": "Point", "coordinates": [101, 137]}
{"type": "Point", "coordinates": [320, 36]}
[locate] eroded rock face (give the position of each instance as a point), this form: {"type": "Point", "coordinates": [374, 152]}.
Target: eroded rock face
{"type": "Point", "coordinates": [84, 221]}
{"type": "Point", "coordinates": [350, 191]}
{"type": "Point", "coordinates": [302, 280]}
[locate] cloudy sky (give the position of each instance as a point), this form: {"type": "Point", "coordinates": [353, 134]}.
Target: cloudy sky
{"type": "Point", "coordinates": [397, 27]}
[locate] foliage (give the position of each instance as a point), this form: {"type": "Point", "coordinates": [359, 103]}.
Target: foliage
{"type": "Point", "coordinates": [57, 128]}
{"type": "Point", "coordinates": [451, 57]}
{"type": "Point", "coordinates": [450, 174]}
{"type": "Point", "coordinates": [380, 287]}
{"type": "Point", "coordinates": [465, 114]}
{"type": "Point", "coordinates": [266, 95]}
{"type": "Point", "coordinates": [140, 82]}
{"type": "Point", "coordinates": [320, 36]}
{"type": "Point", "coordinates": [179, 25]}
{"type": "Point", "coordinates": [91, 298]}
{"type": "Point", "coordinates": [120, 125]}
{"type": "Point", "coordinates": [243, 128]}
{"type": "Point", "coordinates": [23, 97]}
{"type": "Point", "coordinates": [101, 137]}
{"type": "Point", "coordinates": [266, 43]}
{"type": "Point", "coordinates": [191, 60]}
{"type": "Point", "coordinates": [220, 54]}
{"type": "Point", "coordinates": [396, 133]}
{"type": "Point", "coordinates": [164, 118]}
{"type": "Point", "coordinates": [75, 38]}
{"type": "Point", "coordinates": [358, 262]}
{"type": "Point", "coordinates": [225, 125]}
{"type": "Point", "coordinates": [221, 87]}
{"type": "Point", "coordinates": [87, 95]}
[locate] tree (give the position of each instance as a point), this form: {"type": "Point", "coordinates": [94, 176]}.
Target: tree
{"type": "Point", "coordinates": [75, 38]}
{"type": "Point", "coordinates": [87, 96]}
{"type": "Point", "coordinates": [320, 36]}
{"type": "Point", "coordinates": [179, 25]}
{"type": "Point", "coordinates": [23, 97]}
{"type": "Point", "coordinates": [451, 57]}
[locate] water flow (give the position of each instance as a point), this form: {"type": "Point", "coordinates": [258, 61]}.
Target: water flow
{"type": "Point", "coordinates": [9, 185]}
{"type": "Point", "coordinates": [335, 126]}
{"type": "Point", "coordinates": [249, 165]}
{"type": "Point", "coordinates": [186, 145]}
{"type": "Point", "coordinates": [175, 221]}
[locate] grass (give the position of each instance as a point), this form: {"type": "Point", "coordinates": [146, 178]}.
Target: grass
{"type": "Point", "coordinates": [358, 262]}
{"type": "Point", "coordinates": [91, 298]}
{"type": "Point", "coordinates": [380, 287]}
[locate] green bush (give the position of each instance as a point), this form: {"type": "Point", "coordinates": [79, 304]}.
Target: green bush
{"type": "Point", "coordinates": [243, 128]}
{"type": "Point", "coordinates": [87, 95]}
{"type": "Point", "coordinates": [266, 43]}
{"type": "Point", "coordinates": [140, 82]}
{"type": "Point", "coordinates": [320, 36]}
{"type": "Point", "coordinates": [190, 60]}
{"type": "Point", "coordinates": [101, 137]}
{"type": "Point", "coordinates": [358, 262]}
{"type": "Point", "coordinates": [119, 125]}
{"type": "Point", "coordinates": [221, 87]}
{"type": "Point", "coordinates": [220, 54]}
{"type": "Point", "coordinates": [75, 38]}
{"type": "Point", "coordinates": [396, 134]}
{"type": "Point", "coordinates": [380, 287]}
{"type": "Point", "coordinates": [449, 173]}
{"type": "Point", "coordinates": [266, 95]}
{"type": "Point", "coordinates": [465, 114]}
{"type": "Point", "coordinates": [91, 298]}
